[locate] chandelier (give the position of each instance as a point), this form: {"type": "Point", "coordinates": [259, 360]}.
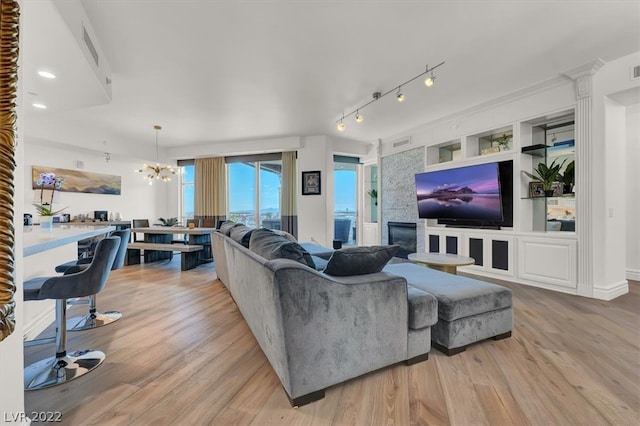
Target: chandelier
{"type": "Point", "coordinates": [157, 171]}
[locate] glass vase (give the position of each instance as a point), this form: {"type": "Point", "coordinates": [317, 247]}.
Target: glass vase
{"type": "Point", "coordinates": [46, 223]}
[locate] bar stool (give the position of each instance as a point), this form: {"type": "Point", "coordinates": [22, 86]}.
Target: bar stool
{"type": "Point", "coordinates": [94, 318]}
{"type": "Point", "coordinates": [66, 366]}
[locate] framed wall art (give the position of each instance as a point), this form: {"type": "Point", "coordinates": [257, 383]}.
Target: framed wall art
{"type": "Point", "coordinates": [311, 184]}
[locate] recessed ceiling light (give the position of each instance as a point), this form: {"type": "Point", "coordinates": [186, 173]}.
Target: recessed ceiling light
{"type": "Point", "coordinates": [46, 74]}
{"type": "Point", "coordinates": [40, 106]}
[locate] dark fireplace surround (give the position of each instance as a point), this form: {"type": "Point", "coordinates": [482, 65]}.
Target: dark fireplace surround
{"type": "Point", "coordinates": [403, 234]}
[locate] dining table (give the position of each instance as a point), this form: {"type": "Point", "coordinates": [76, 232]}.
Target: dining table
{"type": "Point", "coordinates": [160, 236]}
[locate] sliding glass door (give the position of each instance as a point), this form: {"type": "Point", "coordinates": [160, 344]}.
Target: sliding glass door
{"type": "Point", "coordinates": [254, 193]}
{"type": "Point", "coordinates": [345, 214]}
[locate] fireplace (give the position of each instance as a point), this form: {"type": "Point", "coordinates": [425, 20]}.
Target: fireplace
{"type": "Point", "coordinates": [403, 234]}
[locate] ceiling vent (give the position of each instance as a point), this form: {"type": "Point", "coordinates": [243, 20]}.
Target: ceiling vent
{"type": "Point", "coordinates": [89, 43]}
{"type": "Point", "coordinates": [403, 142]}
{"type": "Point", "coordinates": [635, 72]}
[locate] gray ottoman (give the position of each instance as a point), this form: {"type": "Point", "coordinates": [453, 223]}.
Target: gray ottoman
{"type": "Point", "coordinates": [469, 310]}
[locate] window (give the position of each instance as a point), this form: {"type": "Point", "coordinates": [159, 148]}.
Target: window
{"type": "Point", "coordinates": [254, 192]}
{"type": "Point", "coordinates": [187, 193]}
{"type": "Point", "coordinates": [345, 180]}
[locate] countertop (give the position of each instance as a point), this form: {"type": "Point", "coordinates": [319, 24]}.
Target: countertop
{"type": "Point", "coordinates": [36, 240]}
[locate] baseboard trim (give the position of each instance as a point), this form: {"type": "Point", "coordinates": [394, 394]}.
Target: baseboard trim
{"type": "Point", "coordinates": [633, 274]}
{"type": "Point", "coordinates": [617, 290]}
{"type": "Point", "coordinates": [37, 326]}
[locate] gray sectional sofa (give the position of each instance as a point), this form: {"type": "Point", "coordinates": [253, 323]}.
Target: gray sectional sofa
{"type": "Point", "coordinates": [319, 329]}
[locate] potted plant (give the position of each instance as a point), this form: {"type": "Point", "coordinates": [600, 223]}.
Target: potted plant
{"type": "Point", "coordinates": [45, 209]}
{"type": "Point", "coordinates": [503, 142]}
{"type": "Point", "coordinates": [568, 178]}
{"type": "Point", "coordinates": [546, 175]}
{"type": "Point", "coordinates": [172, 221]}
{"type": "Point", "coordinates": [374, 196]}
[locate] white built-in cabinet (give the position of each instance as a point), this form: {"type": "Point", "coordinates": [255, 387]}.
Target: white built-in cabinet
{"type": "Point", "coordinates": [540, 249]}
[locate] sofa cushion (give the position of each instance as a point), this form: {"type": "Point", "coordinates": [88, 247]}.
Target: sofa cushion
{"type": "Point", "coordinates": [226, 227]}
{"type": "Point", "coordinates": [321, 264]}
{"type": "Point", "coordinates": [458, 296]}
{"type": "Point", "coordinates": [270, 245]}
{"type": "Point", "coordinates": [285, 234]}
{"type": "Point", "coordinates": [423, 308]}
{"type": "Point", "coordinates": [359, 260]}
{"type": "Point", "coordinates": [241, 234]}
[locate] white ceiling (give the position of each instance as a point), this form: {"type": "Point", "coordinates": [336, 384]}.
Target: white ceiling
{"type": "Point", "coordinates": [212, 71]}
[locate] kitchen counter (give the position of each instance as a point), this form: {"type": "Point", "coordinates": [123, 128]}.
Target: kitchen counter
{"type": "Point", "coordinates": [36, 240]}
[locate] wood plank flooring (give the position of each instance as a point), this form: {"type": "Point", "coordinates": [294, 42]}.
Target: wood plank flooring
{"type": "Point", "coordinates": [183, 355]}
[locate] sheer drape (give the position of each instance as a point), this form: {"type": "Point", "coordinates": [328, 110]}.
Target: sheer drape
{"type": "Point", "coordinates": [288, 210]}
{"type": "Point", "coordinates": [210, 190]}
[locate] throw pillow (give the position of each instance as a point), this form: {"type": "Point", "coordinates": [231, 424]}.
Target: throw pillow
{"type": "Point", "coordinates": [270, 245]}
{"type": "Point", "coordinates": [241, 234]}
{"type": "Point", "coordinates": [359, 260]}
{"type": "Point", "coordinates": [225, 228]}
{"type": "Point", "coordinates": [285, 234]}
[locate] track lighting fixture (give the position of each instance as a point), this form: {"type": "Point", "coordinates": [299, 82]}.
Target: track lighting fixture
{"type": "Point", "coordinates": [429, 81]}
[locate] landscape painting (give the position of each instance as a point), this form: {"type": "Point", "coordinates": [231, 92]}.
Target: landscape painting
{"type": "Point", "coordinates": [80, 181]}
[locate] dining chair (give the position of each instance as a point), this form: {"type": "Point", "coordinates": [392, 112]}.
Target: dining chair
{"type": "Point", "coordinates": [66, 366]}
{"type": "Point", "coordinates": [139, 223]}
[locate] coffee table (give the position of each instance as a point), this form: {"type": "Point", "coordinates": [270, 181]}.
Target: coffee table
{"type": "Point", "coordinates": [441, 261]}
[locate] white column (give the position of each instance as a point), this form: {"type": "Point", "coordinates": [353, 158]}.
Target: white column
{"type": "Point", "coordinates": [586, 187]}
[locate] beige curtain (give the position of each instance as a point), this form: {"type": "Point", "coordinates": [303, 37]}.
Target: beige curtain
{"type": "Point", "coordinates": [288, 209]}
{"type": "Point", "coordinates": [210, 190]}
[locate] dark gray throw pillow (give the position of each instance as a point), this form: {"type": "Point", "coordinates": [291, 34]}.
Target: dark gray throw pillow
{"type": "Point", "coordinates": [269, 245]}
{"type": "Point", "coordinates": [359, 260]}
{"type": "Point", "coordinates": [241, 234]}
{"type": "Point", "coordinates": [226, 227]}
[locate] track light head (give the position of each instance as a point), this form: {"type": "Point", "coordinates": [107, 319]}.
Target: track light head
{"type": "Point", "coordinates": [430, 80]}
{"type": "Point", "coordinates": [341, 126]}
{"type": "Point", "coordinates": [400, 96]}
{"type": "Point", "coordinates": [359, 117]}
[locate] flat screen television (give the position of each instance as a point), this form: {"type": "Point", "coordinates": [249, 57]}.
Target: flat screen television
{"type": "Point", "coordinates": [475, 196]}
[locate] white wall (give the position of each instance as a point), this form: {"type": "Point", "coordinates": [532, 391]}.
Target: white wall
{"type": "Point", "coordinates": [137, 200]}
{"type": "Point", "coordinates": [315, 212]}
{"type": "Point", "coordinates": [633, 193]}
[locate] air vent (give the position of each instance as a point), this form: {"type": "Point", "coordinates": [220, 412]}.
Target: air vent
{"type": "Point", "coordinates": [401, 143]}
{"type": "Point", "coordinates": [635, 72]}
{"type": "Point", "coordinates": [107, 80]}
{"type": "Point", "coordinates": [89, 43]}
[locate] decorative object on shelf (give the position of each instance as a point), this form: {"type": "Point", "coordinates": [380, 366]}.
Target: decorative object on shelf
{"type": "Point", "coordinates": [557, 189]}
{"type": "Point", "coordinates": [50, 182]}
{"type": "Point", "coordinates": [311, 183]}
{"type": "Point", "coordinates": [490, 150]}
{"type": "Point", "coordinates": [374, 196]}
{"type": "Point", "coordinates": [568, 178]}
{"type": "Point", "coordinates": [503, 142]}
{"type": "Point", "coordinates": [546, 175]}
{"type": "Point", "coordinates": [80, 181]}
{"type": "Point", "coordinates": [171, 221]}
{"type": "Point", "coordinates": [536, 189]}
{"type": "Point", "coordinates": [400, 97]}
{"type": "Point", "coordinates": [157, 171]}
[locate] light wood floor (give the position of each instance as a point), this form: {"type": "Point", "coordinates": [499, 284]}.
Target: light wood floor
{"type": "Point", "coordinates": [183, 355]}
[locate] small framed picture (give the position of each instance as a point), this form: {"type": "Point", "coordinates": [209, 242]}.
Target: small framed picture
{"type": "Point", "coordinates": [557, 189]}
{"type": "Point", "coordinates": [536, 189]}
{"type": "Point", "coordinates": [311, 183]}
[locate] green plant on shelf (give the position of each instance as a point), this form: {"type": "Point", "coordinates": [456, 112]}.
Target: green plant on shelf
{"type": "Point", "coordinates": [374, 196]}
{"type": "Point", "coordinates": [546, 175]}
{"type": "Point", "coordinates": [503, 141]}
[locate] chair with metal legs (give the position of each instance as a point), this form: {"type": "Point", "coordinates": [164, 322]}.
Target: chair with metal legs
{"type": "Point", "coordinates": [95, 318]}
{"type": "Point", "coordinates": [66, 366]}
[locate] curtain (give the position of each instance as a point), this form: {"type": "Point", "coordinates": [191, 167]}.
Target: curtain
{"type": "Point", "coordinates": [210, 188]}
{"type": "Point", "coordinates": [288, 210]}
